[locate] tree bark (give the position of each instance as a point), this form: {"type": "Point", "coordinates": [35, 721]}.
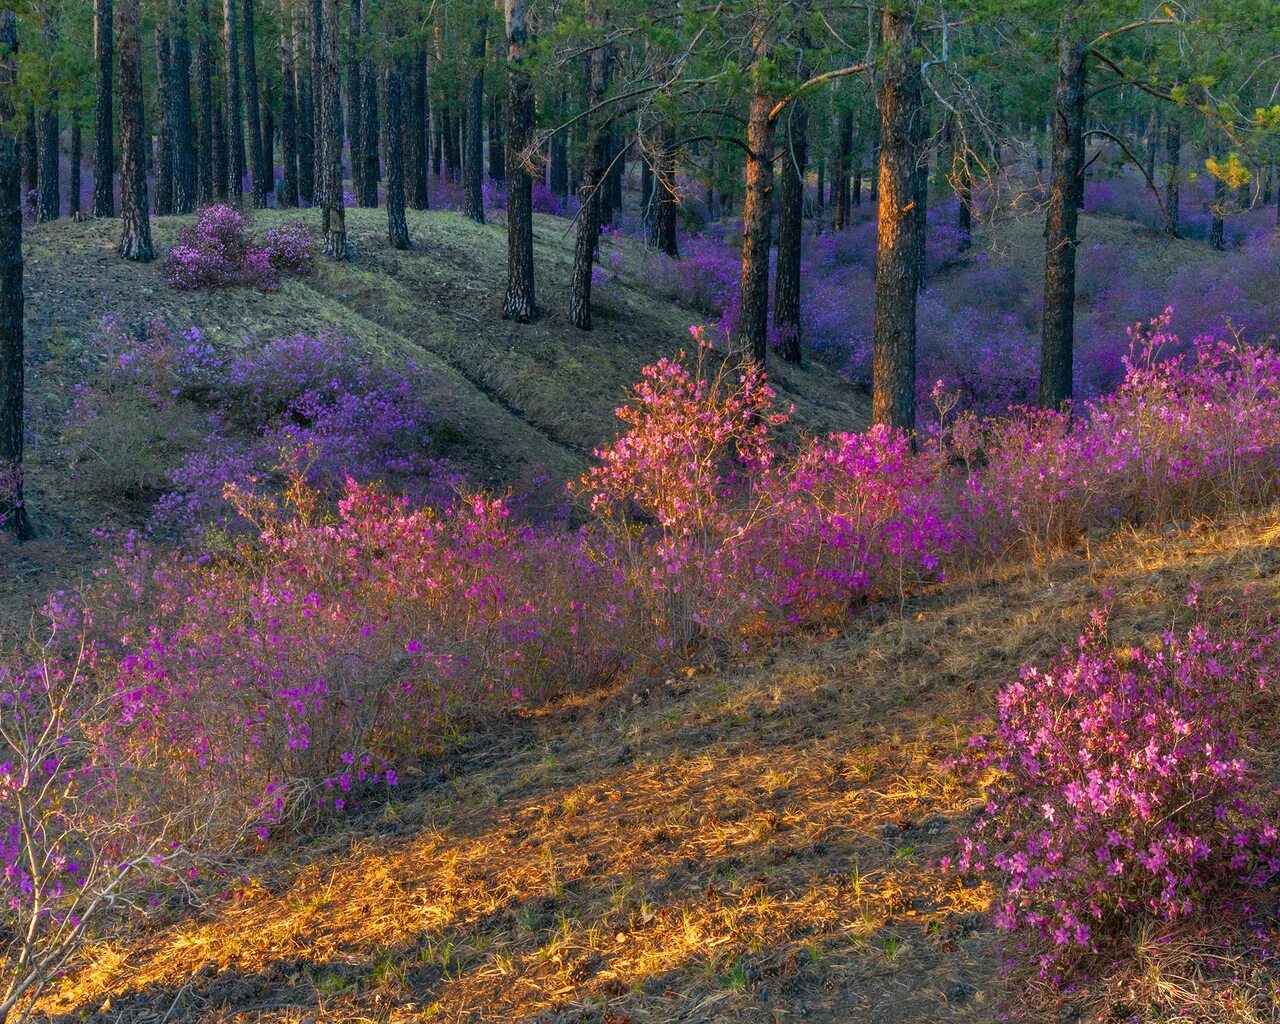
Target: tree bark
{"type": "Point", "coordinates": [1173, 183]}
{"type": "Point", "coordinates": [333, 213]}
{"type": "Point", "coordinates": [13, 510]}
{"type": "Point", "coordinates": [893, 399]}
{"type": "Point", "coordinates": [473, 181]}
{"type": "Point", "coordinates": [234, 104]}
{"type": "Point", "coordinates": [30, 152]}
{"type": "Point", "coordinates": [419, 157]}
{"type": "Point", "coordinates": [751, 334]}
{"type": "Point", "coordinates": [77, 158]}
{"type": "Point", "coordinates": [1065, 189]}
{"type": "Point", "coordinates": [786, 302]}
{"type": "Point", "coordinates": [257, 153]}
{"type": "Point", "coordinates": [588, 237]}
{"type": "Point", "coordinates": [497, 157]}
{"type": "Point", "coordinates": [104, 157]}
{"type": "Point", "coordinates": [369, 127]}
{"type": "Point", "coordinates": [221, 155]}
{"type": "Point", "coordinates": [162, 155]}
{"type": "Point", "coordinates": [268, 135]}
{"type": "Point", "coordinates": [519, 304]}
{"type": "Point", "coordinates": [305, 131]}
{"type": "Point", "coordinates": [288, 108]}
{"type": "Point", "coordinates": [135, 216]}
{"type": "Point", "coordinates": [205, 187]}
{"type": "Point", "coordinates": [397, 229]}
{"type": "Point", "coordinates": [50, 192]}
{"type": "Point", "coordinates": [180, 134]}
{"type": "Point", "coordinates": [665, 220]}
{"type": "Point", "coordinates": [844, 157]}
{"type": "Point", "coordinates": [355, 98]}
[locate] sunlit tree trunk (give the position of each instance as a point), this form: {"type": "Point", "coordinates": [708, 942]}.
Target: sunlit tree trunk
{"type": "Point", "coordinates": [13, 510]}
{"type": "Point", "coordinates": [519, 304]}
{"type": "Point", "coordinates": [751, 335]}
{"type": "Point", "coordinates": [1065, 189]}
{"type": "Point", "coordinates": [893, 400]}
{"type": "Point", "coordinates": [135, 217]}
{"type": "Point", "coordinates": [333, 210]}
{"type": "Point", "coordinates": [104, 155]}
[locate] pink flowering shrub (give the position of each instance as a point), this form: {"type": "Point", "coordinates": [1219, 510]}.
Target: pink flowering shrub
{"type": "Point", "coordinates": [1125, 788]}
{"type": "Point", "coordinates": [217, 252]}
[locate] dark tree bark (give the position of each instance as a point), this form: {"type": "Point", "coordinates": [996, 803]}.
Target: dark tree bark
{"type": "Point", "coordinates": [1065, 189]}
{"type": "Point", "coordinates": [162, 155]}
{"type": "Point", "coordinates": [844, 156]}
{"type": "Point", "coordinates": [786, 302]}
{"type": "Point", "coordinates": [135, 216]}
{"type": "Point", "coordinates": [893, 398]}
{"type": "Point", "coordinates": [180, 133]}
{"type": "Point", "coordinates": [751, 335]}
{"type": "Point", "coordinates": [257, 152]}
{"type": "Point", "coordinates": [369, 128]}
{"type": "Point", "coordinates": [333, 212]}
{"type": "Point", "coordinates": [588, 237]}
{"type": "Point", "coordinates": [304, 132]}
{"type": "Point", "coordinates": [221, 155]}
{"type": "Point", "coordinates": [437, 134]}
{"type": "Point", "coordinates": [452, 157]}
{"type": "Point", "coordinates": [77, 158]}
{"type": "Point", "coordinates": [519, 304]}
{"type": "Point", "coordinates": [355, 98]}
{"type": "Point", "coordinates": [397, 229]}
{"type": "Point", "coordinates": [665, 215]}
{"type": "Point", "coordinates": [473, 180]}
{"type": "Point", "coordinates": [234, 104]}
{"type": "Point", "coordinates": [13, 510]}
{"type": "Point", "coordinates": [316, 37]}
{"type": "Point", "coordinates": [419, 159]}
{"type": "Point", "coordinates": [1173, 183]}
{"type": "Point", "coordinates": [497, 156]}
{"type": "Point", "coordinates": [269, 135]}
{"type": "Point", "coordinates": [50, 191]}
{"type": "Point", "coordinates": [104, 155]}
{"type": "Point", "coordinates": [558, 178]}
{"type": "Point", "coordinates": [205, 187]}
{"type": "Point", "coordinates": [288, 108]}
{"type": "Point", "coordinates": [30, 151]}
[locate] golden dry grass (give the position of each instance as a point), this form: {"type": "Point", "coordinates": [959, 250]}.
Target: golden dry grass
{"type": "Point", "coordinates": [735, 841]}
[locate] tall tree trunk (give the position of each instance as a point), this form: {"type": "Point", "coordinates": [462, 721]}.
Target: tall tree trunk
{"type": "Point", "coordinates": [304, 132]}
{"type": "Point", "coordinates": [13, 510]}
{"type": "Point", "coordinates": [844, 164]}
{"type": "Point", "coordinates": [30, 152]}
{"type": "Point", "coordinates": [420, 158]}
{"type": "Point", "coordinates": [451, 155]}
{"type": "Point", "coordinates": [77, 158]}
{"type": "Point", "coordinates": [1173, 183]}
{"type": "Point", "coordinates": [397, 229]}
{"type": "Point", "coordinates": [893, 399]}
{"type": "Point", "coordinates": [135, 216]}
{"type": "Point", "coordinates": [162, 154]}
{"type": "Point", "coordinates": [665, 215]}
{"type": "Point", "coordinates": [786, 302]}
{"type": "Point", "coordinates": [333, 212]}
{"type": "Point", "coordinates": [751, 335]}
{"type": "Point", "coordinates": [1065, 187]}
{"type": "Point", "coordinates": [497, 158]}
{"type": "Point", "coordinates": [257, 154]}
{"type": "Point", "coordinates": [221, 154]}
{"type": "Point", "coordinates": [180, 133]}
{"type": "Point", "coordinates": [316, 37]}
{"type": "Point", "coordinates": [475, 140]}
{"type": "Point", "coordinates": [288, 107]}
{"type": "Point", "coordinates": [519, 304]}
{"type": "Point", "coordinates": [48, 183]}
{"type": "Point", "coordinates": [104, 155]}
{"type": "Point", "coordinates": [588, 237]}
{"type": "Point", "coordinates": [355, 98]}
{"type": "Point", "coordinates": [234, 104]}
{"type": "Point", "coordinates": [269, 135]}
{"type": "Point", "coordinates": [369, 127]}
{"type": "Point", "coordinates": [205, 186]}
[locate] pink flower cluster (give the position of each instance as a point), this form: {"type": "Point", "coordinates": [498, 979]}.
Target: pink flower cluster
{"type": "Point", "coordinates": [217, 252]}
{"type": "Point", "coordinates": [1125, 790]}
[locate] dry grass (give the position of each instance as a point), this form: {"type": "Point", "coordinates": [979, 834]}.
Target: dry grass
{"type": "Point", "coordinates": [733, 842]}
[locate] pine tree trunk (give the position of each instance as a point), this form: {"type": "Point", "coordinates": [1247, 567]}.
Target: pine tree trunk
{"type": "Point", "coordinates": [369, 128]}
{"type": "Point", "coordinates": [317, 104]}
{"type": "Point", "coordinates": [397, 229]}
{"type": "Point", "coordinates": [13, 511]}
{"type": "Point", "coordinates": [269, 134]}
{"type": "Point", "coordinates": [184, 164]}
{"type": "Point", "coordinates": [665, 215]}
{"type": "Point", "coordinates": [419, 197]}
{"type": "Point", "coordinates": [30, 153]}
{"type": "Point", "coordinates": [288, 109]}
{"type": "Point", "coordinates": [77, 158]}
{"type": "Point", "coordinates": [333, 212]}
{"type": "Point", "coordinates": [205, 187]}
{"type": "Point", "coordinates": [135, 216]}
{"type": "Point", "coordinates": [1173, 183]}
{"type": "Point", "coordinates": [844, 156]}
{"type": "Point", "coordinates": [751, 334]}
{"type": "Point", "coordinates": [786, 301]}
{"type": "Point", "coordinates": [588, 236]}
{"type": "Point", "coordinates": [47, 182]}
{"type": "Point", "coordinates": [893, 399]}
{"type": "Point", "coordinates": [519, 304]}
{"type": "Point", "coordinates": [304, 132]}
{"type": "Point", "coordinates": [162, 154]}
{"type": "Point", "coordinates": [1065, 188]}
{"type": "Point", "coordinates": [221, 157]}
{"type": "Point", "coordinates": [475, 140]}
{"type": "Point", "coordinates": [355, 98]}
{"type": "Point", "coordinates": [257, 153]}
{"type": "Point", "coordinates": [234, 104]}
{"type": "Point", "coordinates": [104, 155]}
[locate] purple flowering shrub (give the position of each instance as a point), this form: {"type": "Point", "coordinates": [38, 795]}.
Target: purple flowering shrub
{"type": "Point", "coordinates": [1125, 789]}
{"type": "Point", "coordinates": [218, 252]}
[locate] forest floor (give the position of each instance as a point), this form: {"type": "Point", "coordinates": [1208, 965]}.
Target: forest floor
{"type": "Point", "coordinates": [726, 841]}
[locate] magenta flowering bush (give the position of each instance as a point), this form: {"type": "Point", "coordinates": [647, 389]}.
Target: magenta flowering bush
{"type": "Point", "coordinates": [1125, 788]}
{"type": "Point", "coordinates": [218, 252]}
